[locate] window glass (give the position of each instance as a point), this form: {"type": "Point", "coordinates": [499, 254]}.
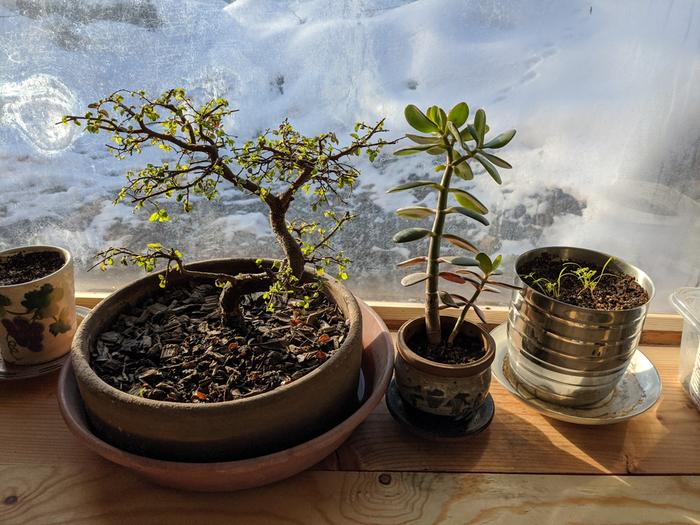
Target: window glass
{"type": "Point", "coordinates": [604, 96]}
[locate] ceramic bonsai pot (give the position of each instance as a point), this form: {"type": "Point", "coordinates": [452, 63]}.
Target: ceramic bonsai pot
{"type": "Point", "coordinates": [567, 354]}
{"type": "Point", "coordinates": [456, 391]}
{"type": "Point", "coordinates": [37, 318]}
{"type": "Point", "coordinates": [261, 424]}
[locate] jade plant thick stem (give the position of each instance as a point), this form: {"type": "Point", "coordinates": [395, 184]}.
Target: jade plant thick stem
{"type": "Point", "coordinates": [461, 144]}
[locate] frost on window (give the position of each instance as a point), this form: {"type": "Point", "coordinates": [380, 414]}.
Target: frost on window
{"type": "Point", "coordinates": [603, 95]}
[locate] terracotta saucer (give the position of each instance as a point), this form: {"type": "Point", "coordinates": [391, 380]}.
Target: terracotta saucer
{"type": "Point", "coordinates": [377, 368]}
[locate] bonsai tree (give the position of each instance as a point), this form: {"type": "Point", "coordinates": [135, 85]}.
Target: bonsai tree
{"type": "Point", "coordinates": [274, 167]}
{"type": "Point", "coordinates": [461, 144]}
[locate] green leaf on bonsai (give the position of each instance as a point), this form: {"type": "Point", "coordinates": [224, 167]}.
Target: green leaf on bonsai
{"type": "Point", "coordinates": [420, 139]}
{"type": "Point", "coordinates": [460, 260]}
{"type": "Point", "coordinates": [415, 212]}
{"type": "Point", "coordinates": [414, 184]}
{"type": "Point", "coordinates": [419, 121]}
{"type": "Point", "coordinates": [468, 213]}
{"type": "Point", "coordinates": [414, 278]}
{"type": "Point", "coordinates": [458, 114]}
{"type": "Point", "coordinates": [500, 140]}
{"type": "Point", "coordinates": [460, 243]}
{"type": "Point", "coordinates": [497, 262]}
{"type": "Point", "coordinates": [468, 200]}
{"type": "Point", "coordinates": [411, 234]}
{"type": "Point", "coordinates": [496, 160]}
{"type": "Point", "coordinates": [4, 301]}
{"type": "Point", "coordinates": [485, 263]}
{"type": "Point", "coordinates": [490, 168]}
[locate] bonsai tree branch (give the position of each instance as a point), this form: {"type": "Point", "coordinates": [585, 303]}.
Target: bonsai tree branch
{"type": "Point", "coordinates": [275, 167]}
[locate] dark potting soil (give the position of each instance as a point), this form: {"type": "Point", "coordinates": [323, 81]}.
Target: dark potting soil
{"type": "Point", "coordinates": [174, 347]}
{"type": "Point", "coordinates": [615, 291]}
{"type": "Point", "coordinates": [24, 267]}
{"type": "Point", "coordinates": [466, 349]}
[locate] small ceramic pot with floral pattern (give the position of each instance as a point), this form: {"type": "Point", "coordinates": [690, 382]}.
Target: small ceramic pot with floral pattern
{"type": "Point", "coordinates": [443, 389]}
{"type": "Point", "coordinates": [37, 318]}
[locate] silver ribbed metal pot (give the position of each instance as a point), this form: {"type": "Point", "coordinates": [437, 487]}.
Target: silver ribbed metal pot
{"type": "Point", "coordinates": [566, 354]}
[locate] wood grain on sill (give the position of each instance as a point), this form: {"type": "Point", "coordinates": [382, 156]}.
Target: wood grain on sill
{"type": "Point", "coordinates": [104, 493]}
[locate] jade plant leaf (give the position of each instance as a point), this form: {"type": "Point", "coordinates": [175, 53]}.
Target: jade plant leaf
{"type": "Point", "coordinates": [460, 260]}
{"type": "Point", "coordinates": [417, 119]}
{"type": "Point", "coordinates": [458, 114]}
{"type": "Point", "coordinates": [490, 168]}
{"type": "Point", "coordinates": [447, 299]}
{"type": "Point", "coordinates": [468, 200]}
{"type": "Point", "coordinates": [411, 234]}
{"type": "Point", "coordinates": [412, 262]}
{"type": "Point", "coordinates": [460, 243]}
{"type": "Point", "coordinates": [437, 115]}
{"type": "Point", "coordinates": [496, 160]}
{"type": "Point", "coordinates": [485, 263]}
{"type": "Point", "coordinates": [500, 140]}
{"type": "Point", "coordinates": [436, 150]}
{"type": "Point", "coordinates": [468, 213]}
{"type": "Point", "coordinates": [415, 212]}
{"type": "Point", "coordinates": [414, 278]}
{"type": "Point", "coordinates": [411, 151]}
{"type": "Point", "coordinates": [452, 277]}
{"type": "Point", "coordinates": [452, 128]}
{"type": "Point", "coordinates": [479, 313]}
{"type": "Point", "coordinates": [464, 171]}
{"type": "Point", "coordinates": [414, 184]}
{"type": "Point", "coordinates": [419, 139]}
{"type": "Point", "coordinates": [480, 125]}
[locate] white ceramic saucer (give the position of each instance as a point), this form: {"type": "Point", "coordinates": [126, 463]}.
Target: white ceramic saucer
{"type": "Point", "coordinates": [9, 372]}
{"type": "Point", "coordinates": [638, 390]}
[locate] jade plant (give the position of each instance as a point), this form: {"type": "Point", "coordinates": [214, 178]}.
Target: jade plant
{"type": "Point", "coordinates": [460, 144]}
{"type": "Point", "coordinates": [276, 167]}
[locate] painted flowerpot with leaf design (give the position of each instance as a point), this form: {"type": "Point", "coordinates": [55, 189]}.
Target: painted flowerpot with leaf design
{"type": "Point", "coordinates": [37, 304]}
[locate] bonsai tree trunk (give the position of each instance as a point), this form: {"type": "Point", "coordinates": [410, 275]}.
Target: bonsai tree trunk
{"type": "Point", "coordinates": [238, 287]}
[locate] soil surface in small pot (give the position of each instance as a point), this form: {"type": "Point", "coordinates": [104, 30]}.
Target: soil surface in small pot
{"type": "Point", "coordinates": [466, 348]}
{"type": "Point", "coordinates": [615, 291]}
{"type": "Point", "coordinates": [25, 267]}
{"type": "Point", "coordinates": [174, 347]}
